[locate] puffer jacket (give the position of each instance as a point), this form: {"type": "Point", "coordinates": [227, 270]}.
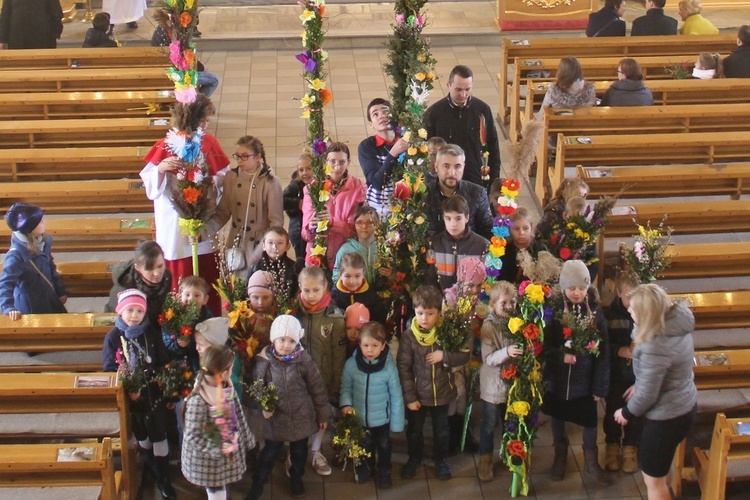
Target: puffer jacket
{"type": "Point", "coordinates": [325, 340]}
{"type": "Point", "coordinates": [589, 376]}
{"type": "Point", "coordinates": [492, 388]}
{"type": "Point", "coordinates": [303, 402]}
{"type": "Point", "coordinates": [664, 386]}
{"type": "Point", "coordinates": [373, 389]}
{"type": "Point", "coordinates": [431, 385]}
{"type": "Point", "coordinates": [628, 92]}
{"type": "Point", "coordinates": [449, 252]}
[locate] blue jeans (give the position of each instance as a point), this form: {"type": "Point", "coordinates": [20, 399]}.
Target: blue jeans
{"type": "Point", "coordinates": [415, 432]}
{"type": "Point", "coordinates": [207, 82]}
{"type": "Point", "coordinates": [492, 415]}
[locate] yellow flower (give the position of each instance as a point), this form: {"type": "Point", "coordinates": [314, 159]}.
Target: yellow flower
{"type": "Point", "coordinates": [412, 151]}
{"type": "Point", "coordinates": [395, 209]}
{"type": "Point", "coordinates": [642, 231]}
{"type": "Point", "coordinates": [306, 16]}
{"type": "Point", "coordinates": [535, 293]}
{"type": "Point", "coordinates": [305, 114]}
{"type": "Point", "coordinates": [322, 226]}
{"type": "Point", "coordinates": [328, 168]}
{"type": "Point", "coordinates": [419, 220]}
{"type": "Point", "coordinates": [252, 344]}
{"type": "Point", "coordinates": [317, 84]}
{"type": "Point", "coordinates": [421, 57]}
{"type": "Point", "coordinates": [507, 192]}
{"type": "Point", "coordinates": [324, 195]}
{"type": "Point", "coordinates": [463, 305]}
{"type": "Point", "coordinates": [318, 250]}
{"type": "Point", "coordinates": [571, 225]}
{"type": "Point", "coordinates": [323, 55]}
{"type": "Point", "coordinates": [303, 36]}
{"type": "Point", "coordinates": [169, 314]}
{"type": "Point", "coordinates": [497, 250]}
{"type": "Point", "coordinates": [422, 133]}
{"type": "Point", "coordinates": [407, 136]}
{"type": "Point", "coordinates": [419, 77]}
{"type": "Point", "coordinates": [520, 408]}
{"type": "Point", "coordinates": [535, 375]}
{"type": "Point", "coordinates": [189, 4]}
{"type": "Point", "coordinates": [423, 149]}
{"type": "Point", "coordinates": [515, 324]}
{"type": "Point", "coordinates": [430, 75]}
{"type": "Point", "coordinates": [306, 101]}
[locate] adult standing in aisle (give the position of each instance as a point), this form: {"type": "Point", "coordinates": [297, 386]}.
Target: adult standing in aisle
{"type": "Point", "coordinates": [125, 11]}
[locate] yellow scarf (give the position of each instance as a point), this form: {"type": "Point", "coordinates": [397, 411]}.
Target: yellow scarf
{"type": "Point", "coordinates": [424, 339]}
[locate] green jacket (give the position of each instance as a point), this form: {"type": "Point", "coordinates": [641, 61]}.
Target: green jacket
{"type": "Point", "coordinates": [325, 340]}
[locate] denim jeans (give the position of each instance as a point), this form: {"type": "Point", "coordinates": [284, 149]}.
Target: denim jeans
{"type": "Point", "coordinates": [207, 82]}
{"type": "Point", "coordinates": [415, 432]}
{"type": "Point", "coordinates": [378, 439]}
{"type": "Point", "coordinates": [267, 459]}
{"type": "Point", "coordinates": [492, 415]}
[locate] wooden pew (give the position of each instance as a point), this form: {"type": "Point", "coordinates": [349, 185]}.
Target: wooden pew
{"type": "Point", "coordinates": [85, 234]}
{"type": "Point", "coordinates": [37, 466]}
{"type": "Point", "coordinates": [55, 332]}
{"type": "Point", "coordinates": [67, 80]}
{"type": "Point", "coordinates": [66, 105]}
{"type": "Point", "coordinates": [600, 150]}
{"type": "Point", "coordinates": [708, 260]}
{"type": "Point", "coordinates": [731, 179]}
{"type": "Point", "coordinates": [86, 279]}
{"type": "Point", "coordinates": [44, 393]}
{"type": "Point", "coordinates": [55, 164]}
{"type": "Point", "coordinates": [728, 447]}
{"type": "Point", "coordinates": [720, 310]}
{"type": "Point", "coordinates": [616, 47]}
{"type": "Point", "coordinates": [82, 133]}
{"type": "Point", "coordinates": [91, 57]}
{"type": "Point", "coordinates": [79, 197]}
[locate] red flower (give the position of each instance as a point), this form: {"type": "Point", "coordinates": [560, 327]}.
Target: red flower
{"type": "Point", "coordinates": [401, 191]}
{"type": "Point", "coordinates": [225, 305]}
{"type": "Point", "coordinates": [241, 346]}
{"type": "Point", "coordinates": [313, 261]}
{"type": "Point", "coordinates": [567, 332]}
{"type": "Point", "coordinates": [537, 348]}
{"type": "Point", "coordinates": [186, 331]}
{"type": "Point", "coordinates": [565, 253]}
{"type": "Point", "coordinates": [400, 275]}
{"type": "Point", "coordinates": [531, 331]}
{"type": "Point", "coordinates": [517, 448]}
{"type": "Point", "coordinates": [506, 210]}
{"type": "Point", "coordinates": [185, 19]}
{"type": "Point", "coordinates": [512, 184]}
{"type": "Point", "coordinates": [509, 372]}
{"type": "Point", "coordinates": [162, 319]}
{"type": "Point", "coordinates": [554, 239]}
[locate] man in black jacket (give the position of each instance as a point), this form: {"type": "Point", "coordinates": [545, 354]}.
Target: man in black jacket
{"type": "Point", "coordinates": [607, 22]}
{"type": "Point", "coordinates": [654, 22]}
{"type": "Point", "coordinates": [737, 64]}
{"type": "Point", "coordinates": [450, 170]}
{"type": "Point", "coordinates": [462, 119]}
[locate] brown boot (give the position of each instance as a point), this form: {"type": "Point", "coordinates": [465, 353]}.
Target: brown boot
{"type": "Point", "coordinates": [591, 469]}
{"type": "Point", "coordinates": [613, 459]}
{"type": "Point", "coordinates": [630, 459]}
{"type": "Point", "coordinates": [557, 472]}
{"type": "Point", "coordinates": [485, 467]}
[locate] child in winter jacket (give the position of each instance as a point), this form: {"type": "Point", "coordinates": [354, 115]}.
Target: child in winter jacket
{"type": "Point", "coordinates": [303, 407]}
{"type": "Point", "coordinates": [353, 287]}
{"type": "Point", "coordinates": [192, 288]}
{"type": "Point", "coordinates": [365, 244]}
{"type": "Point", "coordinates": [370, 387]}
{"type": "Point", "coordinates": [275, 261]}
{"type": "Point", "coordinates": [521, 238]}
{"type": "Point", "coordinates": [293, 197]}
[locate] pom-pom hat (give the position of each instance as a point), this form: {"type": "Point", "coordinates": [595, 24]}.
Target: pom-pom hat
{"type": "Point", "coordinates": [286, 326]}
{"type": "Point", "coordinates": [574, 273]}
{"type": "Point", "coordinates": [130, 297]}
{"type": "Point", "coordinates": [216, 330]}
{"type": "Point", "coordinates": [23, 217]}
{"type": "Point", "coordinates": [357, 315]}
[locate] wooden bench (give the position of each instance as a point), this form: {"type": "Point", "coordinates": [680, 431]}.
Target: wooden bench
{"type": "Point", "coordinates": [32, 394]}
{"type": "Point", "coordinates": [731, 179]}
{"type": "Point", "coordinates": [719, 310]}
{"type": "Point", "coordinates": [601, 150]}
{"type": "Point", "coordinates": [86, 279]}
{"type": "Point", "coordinates": [88, 234]}
{"type": "Point", "coordinates": [708, 260]}
{"type": "Point", "coordinates": [90, 57]}
{"type": "Point", "coordinates": [66, 105]}
{"type": "Point", "coordinates": [82, 133]}
{"type": "Point", "coordinates": [69, 80]}
{"type": "Point", "coordinates": [55, 164]}
{"type": "Point", "coordinates": [37, 466]}
{"type": "Point", "coordinates": [79, 197]}
{"type": "Point", "coordinates": [728, 448]}
{"type": "Point", "coordinates": [616, 47]}
{"type": "Point", "coordinates": [55, 332]}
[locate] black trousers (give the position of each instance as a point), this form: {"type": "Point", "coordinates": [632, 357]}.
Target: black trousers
{"type": "Point", "coordinates": [415, 432]}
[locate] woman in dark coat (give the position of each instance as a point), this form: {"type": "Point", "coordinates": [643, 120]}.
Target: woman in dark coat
{"type": "Point", "coordinates": [629, 89]}
{"type": "Point", "coordinates": [30, 24]}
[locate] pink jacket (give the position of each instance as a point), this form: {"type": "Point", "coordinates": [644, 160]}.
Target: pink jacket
{"type": "Point", "coordinates": [342, 207]}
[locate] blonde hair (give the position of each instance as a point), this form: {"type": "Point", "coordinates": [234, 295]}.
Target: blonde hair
{"type": "Point", "coordinates": [690, 6]}
{"type": "Point", "coordinates": [651, 305]}
{"type": "Point", "coordinates": [502, 289]}
{"type": "Point", "coordinates": [575, 206]}
{"type": "Point", "coordinates": [569, 188]}
{"type": "Point", "coordinates": [313, 272]}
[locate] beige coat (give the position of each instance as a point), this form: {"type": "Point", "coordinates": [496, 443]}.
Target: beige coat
{"type": "Point", "coordinates": [266, 209]}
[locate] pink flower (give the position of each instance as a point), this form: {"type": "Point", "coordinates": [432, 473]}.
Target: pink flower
{"type": "Point", "coordinates": [401, 18]}
{"type": "Point", "coordinates": [522, 286]}
{"type": "Point", "coordinates": [420, 20]}
{"type": "Point", "coordinates": [221, 421]}
{"type": "Point", "coordinates": [593, 345]}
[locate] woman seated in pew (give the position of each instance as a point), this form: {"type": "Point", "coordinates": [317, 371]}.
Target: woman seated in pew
{"type": "Point", "coordinates": [708, 66]}
{"type": "Point", "coordinates": [629, 89]}
{"type": "Point", "coordinates": [695, 24]}
{"type": "Point", "coordinates": [664, 394]}
{"type": "Point", "coordinates": [570, 90]}
{"type": "Point", "coordinates": [30, 283]}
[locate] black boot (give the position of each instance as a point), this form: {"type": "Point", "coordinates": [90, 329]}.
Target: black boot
{"type": "Point", "coordinates": [557, 472]}
{"type": "Point", "coordinates": [162, 478]}
{"type": "Point", "coordinates": [256, 491]}
{"type": "Point", "coordinates": [591, 470]}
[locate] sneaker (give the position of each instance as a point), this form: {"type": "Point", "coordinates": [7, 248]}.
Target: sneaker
{"type": "Point", "coordinates": [298, 487]}
{"type": "Point", "coordinates": [384, 479]}
{"type": "Point", "coordinates": [288, 465]}
{"type": "Point", "coordinates": [442, 470]}
{"type": "Point", "coordinates": [320, 464]}
{"type": "Point", "coordinates": [410, 469]}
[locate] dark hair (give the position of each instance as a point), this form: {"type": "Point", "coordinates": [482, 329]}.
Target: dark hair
{"type": "Point", "coordinates": [457, 204]}
{"type": "Point", "coordinates": [427, 297]}
{"type": "Point", "coordinates": [568, 72]}
{"type": "Point", "coordinates": [436, 141]}
{"type": "Point", "coordinates": [338, 147]}
{"type": "Point", "coordinates": [744, 34]}
{"type": "Point", "coordinates": [194, 282]}
{"type": "Point", "coordinates": [365, 209]}
{"type": "Point", "coordinates": [352, 260]}
{"type": "Point", "coordinates": [374, 330]}
{"type": "Point", "coordinates": [215, 360]}
{"type": "Point", "coordinates": [146, 254]}
{"type": "Point", "coordinates": [520, 214]}
{"type": "Point", "coordinates": [254, 144]}
{"type": "Point", "coordinates": [613, 4]}
{"type": "Point", "coordinates": [278, 230]}
{"type": "Point", "coordinates": [190, 116]}
{"type": "Point", "coordinates": [378, 101]}
{"type": "Point", "coordinates": [659, 3]}
{"type": "Point", "coordinates": [631, 69]}
{"type": "Point", "coordinates": [313, 272]}
{"type": "Point", "coordinates": [496, 189]}
{"type": "Point", "coordinates": [462, 71]}
{"type": "Point", "coordinates": [101, 21]}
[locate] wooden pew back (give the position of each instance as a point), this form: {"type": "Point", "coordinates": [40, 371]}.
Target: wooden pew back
{"type": "Point", "coordinates": [85, 58]}
{"type": "Point", "coordinates": [55, 332]}
{"type": "Point", "coordinates": [66, 80]}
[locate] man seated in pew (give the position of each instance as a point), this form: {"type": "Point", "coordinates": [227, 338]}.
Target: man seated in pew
{"type": "Point", "coordinates": [629, 89]}
{"type": "Point", "coordinates": [737, 64]}
{"type": "Point", "coordinates": [30, 283]}
{"type": "Point", "coordinates": [101, 34]}
{"type": "Point", "coordinates": [654, 22]}
{"type": "Point", "coordinates": [607, 22]}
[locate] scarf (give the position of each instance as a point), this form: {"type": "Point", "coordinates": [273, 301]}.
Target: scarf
{"type": "Point", "coordinates": [337, 186]}
{"type": "Point", "coordinates": [342, 288]}
{"type": "Point", "coordinates": [131, 332]}
{"type": "Point", "coordinates": [36, 243]}
{"type": "Point", "coordinates": [374, 366]}
{"type": "Point", "coordinates": [151, 290]}
{"type": "Point", "coordinates": [704, 74]}
{"type": "Point", "coordinates": [214, 396]}
{"type": "Point", "coordinates": [424, 339]}
{"type": "Point", "coordinates": [287, 357]}
{"type": "Point", "coordinates": [310, 308]}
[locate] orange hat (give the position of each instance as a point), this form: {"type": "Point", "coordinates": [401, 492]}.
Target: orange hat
{"type": "Point", "coordinates": [357, 315]}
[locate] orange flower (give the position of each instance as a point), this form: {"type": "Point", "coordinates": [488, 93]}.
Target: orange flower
{"type": "Point", "coordinates": [517, 449]}
{"type": "Point", "coordinates": [322, 10]}
{"type": "Point", "coordinates": [325, 96]}
{"type": "Point", "coordinates": [191, 194]}
{"type": "Point", "coordinates": [189, 56]}
{"type": "Point", "coordinates": [509, 372]}
{"type": "Point", "coordinates": [531, 331]}
{"type": "Point", "coordinates": [496, 241]}
{"type": "Point", "coordinates": [185, 19]}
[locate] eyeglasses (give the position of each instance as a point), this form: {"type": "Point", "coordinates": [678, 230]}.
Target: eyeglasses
{"type": "Point", "coordinates": [243, 157]}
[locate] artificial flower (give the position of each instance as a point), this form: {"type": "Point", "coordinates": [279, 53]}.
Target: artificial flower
{"type": "Point", "coordinates": [412, 151]}
{"type": "Point", "coordinates": [324, 195]}
{"type": "Point", "coordinates": [407, 136]}
{"type": "Point", "coordinates": [423, 149]}
{"type": "Point", "coordinates": [419, 76]}
{"type": "Point", "coordinates": [308, 61]}
{"type": "Point", "coordinates": [317, 84]}
{"type": "Point", "coordinates": [322, 226]}
{"type": "Point", "coordinates": [515, 324]}
{"type": "Point", "coordinates": [517, 448]}
{"type": "Point", "coordinates": [319, 146]}
{"type": "Point", "coordinates": [325, 96]}
{"type": "Point", "coordinates": [318, 250]}
{"type": "Point", "coordinates": [422, 133]}
{"type": "Point", "coordinates": [531, 332]}
{"type": "Point", "coordinates": [565, 253]}
{"type": "Point", "coordinates": [520, 408]}
{"type": "Point", "coordinates": [509, 372]}
{"type": "Point", "coordinates": [185, 19]}
{"type": "Point", "coordinates": [401, 191]}
{"type": "Point", "coordinates": [305, 114]}
{"type": "Point", "coordinates": [535, 293]}
{"type": "Point", "coordinates": [306, 16]}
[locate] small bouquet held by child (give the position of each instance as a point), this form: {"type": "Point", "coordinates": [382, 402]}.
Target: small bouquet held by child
{"type": "Point", "coordinates": [131, 375]}
{"type": "Point", "coordinates": [348, 440]}
{"type": "Point", "coordinates": [265, 396]}
{"type": "Point", "coordinates": [175, 379]}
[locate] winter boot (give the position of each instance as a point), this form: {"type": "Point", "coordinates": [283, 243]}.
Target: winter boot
{"type": "Point", "coordinates": [630, 459]}
{"type": "Point", "coordinates": [592, 472]}
{"type": "Point", "coordinates": [485, 467]}
{"type": "Point", "coordinates": [560, 463]}
{"type": "Point", "coordinates": [613, 459]}
{"type": "Point", "coordinates": [163, 481]}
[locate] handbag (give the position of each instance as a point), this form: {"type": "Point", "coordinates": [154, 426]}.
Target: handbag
{"type": "Point", "coordinates": [55, 305]}
{"type": "Point", "coordinates": [235, 255]}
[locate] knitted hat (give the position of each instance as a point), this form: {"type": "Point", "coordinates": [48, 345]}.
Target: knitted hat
{"type": "Point", "coordinates": [130, 297]}
{"type": "Point", "coordinates": [574, 273]}
{"type": "Point", "coordinates": [260, 281]}
{"type": "Point", "coordinates": [216, 330]}
{"type": "Point", "coordinates": [357, 315]}
{"type": "Point", "coordinates": [23, 217]}
{"type": "Point", "coordinates": [471, 269]}
{"type": "Point", "coordinates": [286, 326]}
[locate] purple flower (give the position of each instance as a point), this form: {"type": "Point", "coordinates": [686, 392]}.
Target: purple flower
{"type": "Point", "coordinates": [306, 59]}
{"type": "Point", "coordinates": [493, 273]}
{"type": "Point", "coordinates": [510, 426]}
{"type": "Point", "coordinates": [319, 147]}
{"type": "Point", "coordinates": [547, 314]}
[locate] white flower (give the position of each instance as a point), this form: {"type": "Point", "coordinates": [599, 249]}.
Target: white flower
{"type": "Point", "coordinates": [419, 91]}
{"type": "Point", "coordinates": [180, 175]}
{"type": "Point", "coordinates": [198, 177]}
{"type": "Point", "coordinates": [175, 142]}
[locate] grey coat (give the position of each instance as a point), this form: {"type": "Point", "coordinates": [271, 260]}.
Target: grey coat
{"type": "Point", "coordinates": [664, 387]}
{"type": "Point", "coordinates": [303, 401]}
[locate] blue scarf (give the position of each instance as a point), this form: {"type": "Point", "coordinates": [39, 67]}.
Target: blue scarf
{"type": "Point", "coordinates": [131, 332]}
{"type": "Point", "coordinates": [288, 357]}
